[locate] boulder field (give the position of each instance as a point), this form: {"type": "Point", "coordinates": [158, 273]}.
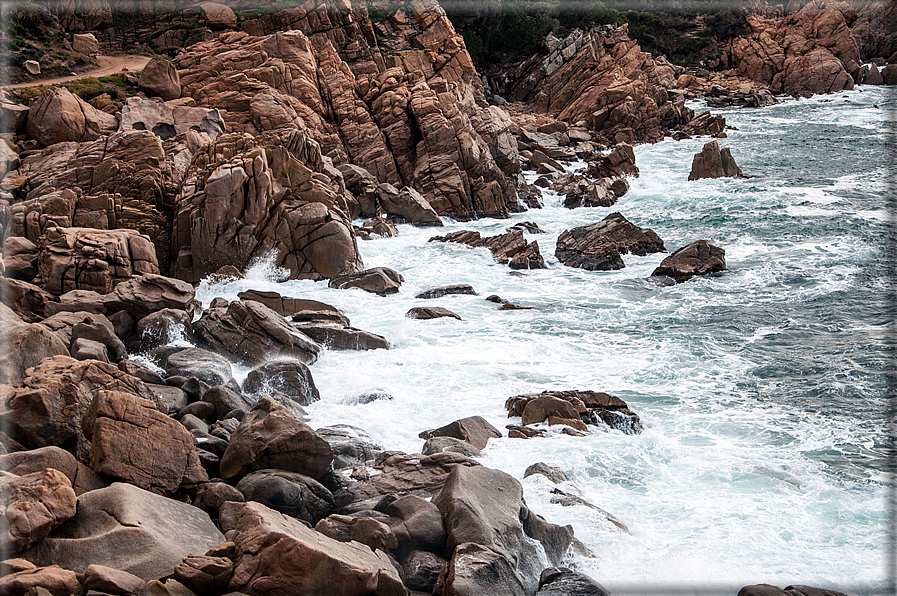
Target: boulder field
{"type": "Point", "coordinates": [267, 136]}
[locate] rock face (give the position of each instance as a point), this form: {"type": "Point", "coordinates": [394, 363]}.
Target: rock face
{"type": "Point", "coordinates": [58, 116]}
{"type": "Point", "coordinates": [713, 162]}
{"type": "Point", "coordinates": [95, 260]}
{"type": "Point", "coordinates": [159, 78]}
{"type": "Point", "coordinates": [277, 553]}
{"type": "Point", "coordinates": [246, 197]}
{"type": "Point", "coordinates": [510, 248]}
{"type": "Point", "coordinates": [802, 53]}
{"type": "Point", "coordinates": [129, 529]}
{"type": "Point", "coordinates": [601, 79]}
{"type": "Point", "coordinates": [698, 258]}
{"type": "Point", "coordinates": [599, 246]}
{"type": "Point", "coordinates": [407, 107]}
{"type": "Point", "coordinates": [270, 437]}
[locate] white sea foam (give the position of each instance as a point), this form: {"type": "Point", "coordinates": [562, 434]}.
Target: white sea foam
{"type": "Point", "coordinates": [760, 390]}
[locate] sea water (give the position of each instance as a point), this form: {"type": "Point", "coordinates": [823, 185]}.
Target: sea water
{"type": "Point", "coordinates": [763, 391]}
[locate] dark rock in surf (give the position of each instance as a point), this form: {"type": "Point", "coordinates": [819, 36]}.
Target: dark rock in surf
{"type": "Point", "coordinates": [446, 290]}
{"type": "Point", "coordinates": [592, 407]}
{"type": "Point", "coordinates": [620, 162]}
{"type": "Point", "coordinates": [713, 162]}
{"type": "Point", "coordinates": [351, 445]}
{"type": "Point", "coordinates": [430, 312]}
{"type": "Point", "coordinates": [208, 367]}
{"type": "Point", "coordinates": [337, 337]}
{"type": "Point", "coordinates": [768, 590]}
{"type": "Point", "coordinates": [380, 280]}
{"type": "Point", "coordinates": [560, 581]}
{"type": "Point", "coordinates": [292, 379]}
{"type": "Point", "coordinates": [553, 473]}
{"type": "Point", "coordinates": [510, 248]}
{"type": "Point", "coordinates": [698, 258]}
{"type": "Point", "coordinates": [599, 246]}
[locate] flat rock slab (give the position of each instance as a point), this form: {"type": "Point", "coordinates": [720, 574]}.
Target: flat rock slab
{"type": "Point", "coordinates": [431, 312]}
{"type": "Point", "coordinates": [446, 290]}
{"type": "Point", "coordinates": [130, 529]}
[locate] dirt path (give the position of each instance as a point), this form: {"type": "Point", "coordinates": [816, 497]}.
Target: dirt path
{"type": "Point", "coordinates": [108, 65]}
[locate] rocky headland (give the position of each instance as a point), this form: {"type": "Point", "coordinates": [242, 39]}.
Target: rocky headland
{"type": "Point", "coordinates": [269, 133]}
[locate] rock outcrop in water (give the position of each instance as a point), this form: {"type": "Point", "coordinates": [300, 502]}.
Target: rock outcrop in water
{"type": "Point", "coordinates": [510, 248]}
{"type": "Point", "coordinates": [574, 409]}
{"type": "Point", "coordinates": [600, 246]}
{"type": "Point", "coordinates": [698, 258]}
{"type": "Point", "coordinates": [713, 162]}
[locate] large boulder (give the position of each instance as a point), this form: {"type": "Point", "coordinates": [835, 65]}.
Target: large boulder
{"type": "Point", "coordinates": [591, 407]}
{"type": "Point", "coordinates": [477, 569]}
{"type": "Point", "coordinates": [42, 580]}
{"type": "Point", "coordinates": [85, 43]}
{"type": "Point", "coordinates": [55, 394]}
{"type": "Point", "coordinates": [32, 505]}
{"type": "Point", "coordinates": [251, 333]}
{"type": "Point", "coordinates": [58, 116]}
{"type": "Point", "coordinates": [380, 280]}
{"type": "Point", "coordinates": [209, 367]}
{"type": "Point", "coordinates": [159, 78]}
{"type": "Point", "coordinates": [599, 246]}
{"type": "Point", "coordinates": [560, 581]}
{"type": "Point", "coordinates": [133, 442]}
{"type": "Point", "coordinates": [289, 378]}
{"type": "Point", "coordinates": [713, 162]}
{"type": "Point", "coordinates": [270, 437]}
{"type": "Point", "coordinates": [148, 293]}
{"type": "Point", "coordinates": [276, 553]}
{"type": "Point", "coordinates": [21, 463]}
{"type": "Point", "coordinates": [698, 258]}
{"type": "Point", "coordinates": [473, 429]}
{"type": "Point", "coordinates": [130, 529]}
{"type": "Point", "coordinates": [485, 507]}
{"type": "Point", "coordinates": [417, 524]}
{"type": "Point", "coordinates": [218, 16]}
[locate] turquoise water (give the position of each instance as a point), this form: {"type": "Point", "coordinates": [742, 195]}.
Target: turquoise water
{"type": "Point", "coordinates": [762, 391]}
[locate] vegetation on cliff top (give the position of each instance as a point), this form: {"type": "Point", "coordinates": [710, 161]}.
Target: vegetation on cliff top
{"type": "Point", "coordinates": [505, 31]}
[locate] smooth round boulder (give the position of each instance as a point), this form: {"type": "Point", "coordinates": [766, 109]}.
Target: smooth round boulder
{"type": "Point", "coordinates": [290, 378]}
{"type": "Point", "coordinates": [159, 78]}
{"type": "Point", "coordinates": [289, 493]}
{"type": "Point", "coordinates": [208, 367]}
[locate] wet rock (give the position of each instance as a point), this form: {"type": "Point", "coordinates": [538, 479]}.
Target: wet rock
{"type": "Point", "coordinates": [208, 367]}
{"type": "Point", "coordinates": [292, 379]}
{"type": "Point", "coordinates": [33, 505]}
{"type": "Point", "coordinates": [593, 408]}
{"type": "Point", "coordinates": [542, 408]}
{"type": "Point", "coordinates": [298, 309]}
{"type": "Point", "coordinates": [110, 521]}
{"type": "Point", "coordinates": [560, 581]}
{"type": "Point", "coordinates": [599, 246]}
{"type": "Point", "coordinates": [289, 493]}
{"type": "Point", "coordinates": [380, 280]}
{"type": "Point", "coordinates": [510, 248]}
{"type": "Point", "coordinates": [226, 400]}
{"type": "Point", "coordinates": [159, 78]}
{"type": "Point", "coordinates": [420, 570]}
{"type": "Point", "coordinates": [768, 590]}
{"type": "Point", "coordinates": [376, 226]}
{"type": "Point", "coordinates": [446, 290]}
{"type": "Point", "coordinates": [133, 442]}
{"type": "Point", "coordinates": [270, 437]}
{"type": "Point", "coordinates": [553, 473]}
{"type": "Point", "coordinates": [477, 569]}
{"type": "Point", "coordinates": [252, 333]}
{"type": "Point", "coordinates": [337, 337]}
{"type": "Point", "coordinates": [417, 524]}
{"type": "Point", "coordinates": [430, 312]}
{"type": "Point", "coordinates": [351, 445]}
{"type": "Point", "coordinates": [280, 553]}
{"type": "Point", "coordinates": [713, 162]}
{"type": "Point", "coordinates": [698, 258]}
{"type": "Point", "coordinates": [618, 163]}
{"type": "Point", "coordinates": [163, 327]}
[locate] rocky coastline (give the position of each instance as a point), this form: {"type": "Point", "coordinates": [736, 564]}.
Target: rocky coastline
{"type": "Point", "coordinates": [272, 134]}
